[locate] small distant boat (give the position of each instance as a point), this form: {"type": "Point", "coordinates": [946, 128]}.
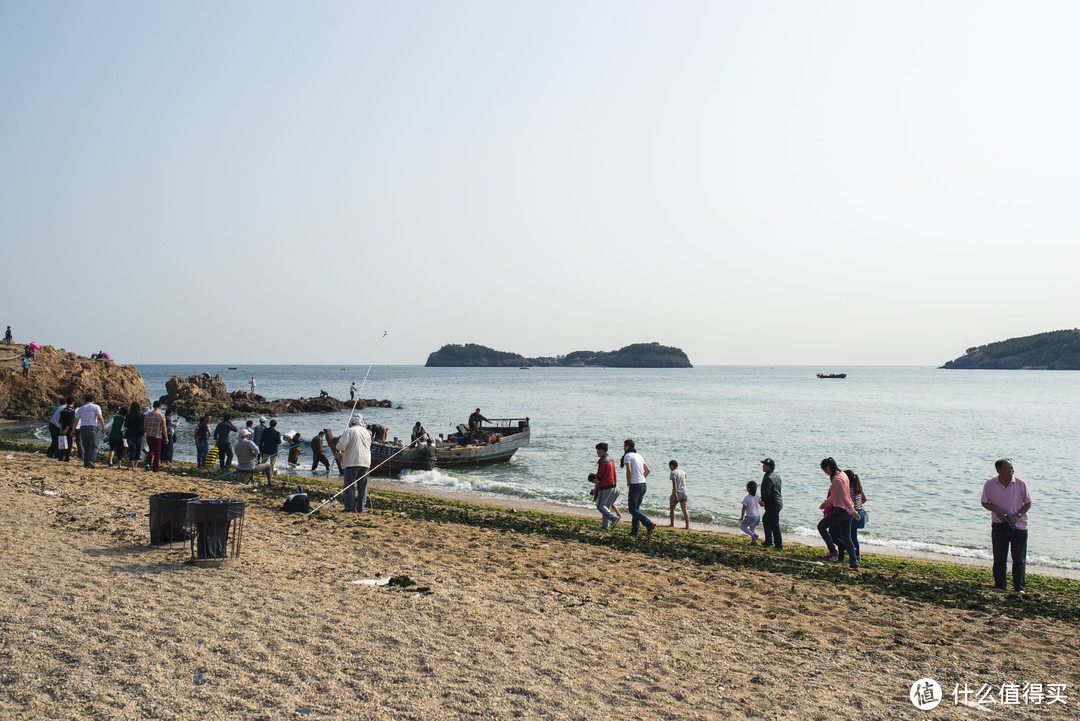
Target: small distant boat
{"type": "Point", "coordinates": [524, 368]}
{"type": "Point", "coordinates": [232, 368]}
{"type": "Point", "coordinates": [832, 375]}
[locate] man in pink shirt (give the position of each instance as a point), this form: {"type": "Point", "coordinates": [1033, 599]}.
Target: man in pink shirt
{"type": "Point", "coordinates": [1008, 500]}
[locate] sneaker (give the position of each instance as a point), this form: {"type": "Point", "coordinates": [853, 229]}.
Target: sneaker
{"type": "Point", "coordinates": [766, 544]}
{"type": "Point", "coordinates": [827, 556]}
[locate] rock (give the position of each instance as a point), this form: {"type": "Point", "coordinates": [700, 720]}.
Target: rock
{"type": "Point", "coordinates": [195, 395]}
{"type": "Point", "coordinates": [56, 374]}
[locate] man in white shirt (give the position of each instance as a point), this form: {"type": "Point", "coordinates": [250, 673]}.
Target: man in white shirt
{"type": "Point", "coordinates": [354, 456]}
{"type": "Point", "coordinates": [637, 470]}
{"type": "Point", "coordinates": [88, 417]}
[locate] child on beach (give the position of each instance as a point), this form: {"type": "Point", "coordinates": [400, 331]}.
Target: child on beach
{"type": "Point", "coordinates": [678, 493]}
{"type": "Point", "coordinates": [858, 498]}
{"type": "Point", "coordinates": [605, 487]}
{"type": "Point", "coordinates": [751, 512]}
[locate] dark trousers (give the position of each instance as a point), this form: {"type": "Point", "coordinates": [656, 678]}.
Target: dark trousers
{"type": "Point", "coordinates": [770, 524]}
{"type": "Point", "coordinates": [154, 456]}
{"type": "Point", "coordinates": [1003, 538]}
{"type": "Point", "coordinates": [320, 457]}
{"type": "Point", "coordinates": [65, 454]}
{"type": "Point", "coordinates": [88, 444]}
{"type": "Point", "coordinates": [54, 433]}
{"type": "Point", "coordinates": [201, 449]}
{"type": "Point", "coordinates": [225, 454]}
{"type": "Point", "coordinates": [634, 497]}
{"type": "Point", "coordinates": [835, 530]}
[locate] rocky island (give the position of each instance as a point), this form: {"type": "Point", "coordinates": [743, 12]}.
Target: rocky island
{"type": "Point", "coordinates": [637, 355]}
{"type": "Point", "coordinates": [1054, 350]}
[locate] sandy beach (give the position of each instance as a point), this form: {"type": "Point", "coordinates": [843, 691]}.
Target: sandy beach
{"type": "Point", "coordinates": [97, 624]}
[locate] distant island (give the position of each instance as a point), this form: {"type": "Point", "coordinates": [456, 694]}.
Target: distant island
{"type": "Point", "coordinates": [638, 355]}
{"type": "Point", "coordinates": [1057, 350]}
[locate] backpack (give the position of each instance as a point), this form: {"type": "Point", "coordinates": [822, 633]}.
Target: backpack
{"type": "Point", "coordinates": [297, 502]}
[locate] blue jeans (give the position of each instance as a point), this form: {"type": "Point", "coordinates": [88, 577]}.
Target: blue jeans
{"type": "Point", "coordinates": [604, 498]}
{"type": "Point", "coordinates": [201, 449]}
{"type": "Point", "coordinates": [355, 482]}
{"type": "Point", "coordinates": [637, 494]}
{"type": "Point", "coordinates": [837, 527]}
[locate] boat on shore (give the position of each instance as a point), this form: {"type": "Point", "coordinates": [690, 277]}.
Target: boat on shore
{"type": "Point", "coordinates": [496, 442]}
{"type": "Point", "coordinates": [832, 375]}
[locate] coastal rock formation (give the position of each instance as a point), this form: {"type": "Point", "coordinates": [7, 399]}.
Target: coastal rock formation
{"type": "Point", "coordinates": [195, 395]}
{"type": "Point", "coordinates": [55, 374]}
{"type": "Point", "coordinates": [1055, 350]}
{"type": "Point", "coordinates": [637, 355]}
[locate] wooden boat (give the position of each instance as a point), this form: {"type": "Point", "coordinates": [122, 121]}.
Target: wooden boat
{"type": "Point", "coordinates": [832, 375]}
{"type": "Point", "coordinates": [497, 443]}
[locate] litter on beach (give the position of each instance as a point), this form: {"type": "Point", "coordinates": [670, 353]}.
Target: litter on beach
{"type": "Point", "coordinates": [50, 493]}
{"type": "Point", "coordinates": [372, 582]}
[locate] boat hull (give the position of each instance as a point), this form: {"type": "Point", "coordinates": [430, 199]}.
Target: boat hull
{"type": "Point", "coordinates": [389, 460]}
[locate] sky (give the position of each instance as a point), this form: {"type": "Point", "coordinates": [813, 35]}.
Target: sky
{"type": "Point", "coordinates": [778, 183]}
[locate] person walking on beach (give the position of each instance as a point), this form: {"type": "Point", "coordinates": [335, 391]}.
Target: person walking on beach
{"type": "Point", "coordinates": [774, 503]}
{"type": "Point", "coordinates": [133, 432]}
{"type": "Point", "coordinates": [202, 441]}
{"type": "Point", "coordinates": [751, 512]}
{"type": "Point", "coordinates": [90, 418]}
{"type": "Point", "coordinates": [319, 456]}
{"type": "Point", "coordinates": [354, 448]}
{"type": "Point", "coordinates": [1008, 500]}
{"type": "Point", "coordinates": [678, 493]}
{"type": "Point", "coordinates": [858, 498]}
{"type": "Point", "coordinates": [223, 441]}
{"type": "Point", "coordinates": [116, 437]}
{"type": "Point", "coordinates": [637, 470]}
{"type": "Point", "coordinates": [156, 435]}
{"type": "Point", "coordinates": [605, 487]}
{"type": "Point", "coordinates": [836, 525]}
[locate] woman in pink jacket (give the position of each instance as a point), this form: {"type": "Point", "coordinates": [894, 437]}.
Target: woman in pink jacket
{"type": "Point", "coordinates": [835, 527]}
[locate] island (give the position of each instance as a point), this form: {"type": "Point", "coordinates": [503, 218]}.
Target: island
{"type": "Point", "coordinates": [1054, 350]}
{"type": "Point", "coordinates": [637, 355]}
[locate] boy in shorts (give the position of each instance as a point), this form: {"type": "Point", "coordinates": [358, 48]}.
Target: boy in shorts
{"type": "Point", "coordinates": [678, 493]}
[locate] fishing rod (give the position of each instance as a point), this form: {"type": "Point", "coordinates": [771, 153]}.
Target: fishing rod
{"type": "Point", "coordinates": [370, 471]}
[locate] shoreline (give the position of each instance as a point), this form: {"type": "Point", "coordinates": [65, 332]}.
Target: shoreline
{"type": "Point", "coordinates": [500, 501]}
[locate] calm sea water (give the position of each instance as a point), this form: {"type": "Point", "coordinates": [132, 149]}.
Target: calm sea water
{"type": "Point", "coordinates": [923, 440]}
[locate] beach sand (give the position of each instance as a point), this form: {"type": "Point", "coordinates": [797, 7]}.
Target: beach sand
{"type": "Point", "coordinates": [96, 624]}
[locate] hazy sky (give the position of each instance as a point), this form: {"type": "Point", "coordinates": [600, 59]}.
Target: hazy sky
{"type": "Point", "coordinates": [754, 182]}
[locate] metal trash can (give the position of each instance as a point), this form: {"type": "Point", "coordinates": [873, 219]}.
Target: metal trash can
{"type": "Point", "coordinates": [168, 518]}
{"type": "Point", "coordinates": [219, 530]}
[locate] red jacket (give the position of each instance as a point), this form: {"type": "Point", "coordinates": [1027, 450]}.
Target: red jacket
{"type": "Point", "coordinates": [605, 471]}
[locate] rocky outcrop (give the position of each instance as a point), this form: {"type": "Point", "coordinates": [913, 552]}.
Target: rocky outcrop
{"type": "Point", "coordinates": [1054, 350]}
{"type": "Point", "coordinates": [196, 395]}
{"type": "Point", "coordinates": [56, 374]}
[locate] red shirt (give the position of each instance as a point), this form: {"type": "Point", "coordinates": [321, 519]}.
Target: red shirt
{"type": "Point", "coordinates": [605, 471]}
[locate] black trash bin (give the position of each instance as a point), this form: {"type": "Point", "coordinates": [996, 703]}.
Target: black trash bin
{"type": "Point", "coordinates": [219, 529]}
{"type": "Point", "coordinates": [168, 514]}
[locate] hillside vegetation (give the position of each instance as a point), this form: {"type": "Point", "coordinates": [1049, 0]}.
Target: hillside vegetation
{"type": "Point", "coordinates": [1055, 350]}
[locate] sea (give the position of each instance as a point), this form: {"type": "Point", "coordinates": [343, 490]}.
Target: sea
{"type": "Point", "coordinates": [922, 440]}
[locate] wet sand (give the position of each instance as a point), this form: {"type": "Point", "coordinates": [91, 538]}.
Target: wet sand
{"type": "Point", "coordinates": [96, 624]}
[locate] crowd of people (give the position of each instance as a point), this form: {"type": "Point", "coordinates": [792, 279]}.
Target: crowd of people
{"type": "Point", "coordinates": [150, 435]}
{"type": "Point", "coordinates": [843, 509]}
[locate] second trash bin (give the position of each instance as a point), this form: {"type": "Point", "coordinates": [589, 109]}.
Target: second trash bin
{"type": "Point", "coordinates": [219, 530]}
{"type": "Point", "coordinates": [168, 514]}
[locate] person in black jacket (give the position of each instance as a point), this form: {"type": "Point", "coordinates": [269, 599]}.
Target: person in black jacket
{"type": "Point", "coordinates": [133, 432]}
{"type": "Point", "coordinates": [774, 503]}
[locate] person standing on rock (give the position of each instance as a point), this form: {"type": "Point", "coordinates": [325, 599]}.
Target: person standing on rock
{"type": "Point", "coordinates": [354, 449]}
{"type": "Point", "coordinates": [252, 385]}
{"type": "Point", "coordinates": [7, 335]}
{"type": "Point", "coordinates": [221, 438]}
{"type": "Point", "coordinates": [90, 418]}
{"type": "Point", "coordinates": [352, 390]}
